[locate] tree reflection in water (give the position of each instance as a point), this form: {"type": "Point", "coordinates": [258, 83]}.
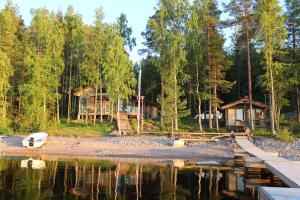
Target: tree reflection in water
{"type": "Point", "coordinates": [86, 179]}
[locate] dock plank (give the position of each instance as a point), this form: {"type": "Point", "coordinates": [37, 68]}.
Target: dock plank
{"type": "Point", "coordinates": [275, 193]}
{"type": "Point", "coordinates": [287, 171]}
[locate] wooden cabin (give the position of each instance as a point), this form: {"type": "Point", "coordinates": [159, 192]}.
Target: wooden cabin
{"type": "Point", "coordinates": [87, 99]}
{"type": "Point", "coordinates": [237, 114]}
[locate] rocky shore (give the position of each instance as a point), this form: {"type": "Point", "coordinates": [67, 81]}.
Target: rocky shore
{"type": "Point", "coordinates": [290, 151]}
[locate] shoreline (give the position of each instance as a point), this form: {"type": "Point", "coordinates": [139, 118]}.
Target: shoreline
{"type": "Point", "coordinates": [129, 147]}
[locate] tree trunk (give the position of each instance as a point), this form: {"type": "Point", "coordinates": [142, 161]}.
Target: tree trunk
{"type": "Point", "coordinates": [118, 114]}
{"type": "Point", "coordinates": [210, 111]}
{"type": "Point", "coordinates": [272, 101]}
{"type": "Point", "coordinates": [249, 66]}
{"type": "Point", "coordinates": [96, 101]}
{"type": "Point", "coordinates": [216, 105]}
{"type": "Point", "coordinates": [175, 104]}
{"type": "Point", "coordinates": [199, 101]}
{"type": "Point", "coordinates": [101, 101]}
{"type": "Point", "coordinates": [162, 103]}
{"type": "Point", "coordinates": [70, 88]}
{"type": "Point", "coordinates": [57, 106]}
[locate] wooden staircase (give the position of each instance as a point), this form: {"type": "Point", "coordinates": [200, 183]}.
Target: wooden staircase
{"type": "Point", "coordinates": [123, 123]}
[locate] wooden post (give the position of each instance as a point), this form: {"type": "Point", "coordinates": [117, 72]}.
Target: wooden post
{"type": "Point", "coordinates": [139, 100]}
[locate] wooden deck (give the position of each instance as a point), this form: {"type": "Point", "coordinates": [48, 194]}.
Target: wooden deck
{"type": "Point", "coordinates": [275, 193]}
{"type": "Point", "coordinates": [287, 171]}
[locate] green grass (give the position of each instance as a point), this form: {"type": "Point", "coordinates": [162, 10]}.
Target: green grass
{"type": "Point", "coordinates": [285, 135]}
{"type": "Point", "coordinates": [262, 132]}
{"type": "Point", "coordinates": [81, 129]}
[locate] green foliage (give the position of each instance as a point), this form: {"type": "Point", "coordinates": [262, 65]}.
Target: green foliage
{"type": "Point", "coordinates": [6, 71]}
{"type": "Point", "coordinates": [262, 132]}
{"type": "Point", "coordinates": [117, 68]}
{"type": "Point", "coordinates": [80, 129]}
{"type": "Point", "coordinates": [44, 58]}
{"type": "Point", "coordinates": [284, 135]}
{"type": "Point", "coordinates": [126, 32]}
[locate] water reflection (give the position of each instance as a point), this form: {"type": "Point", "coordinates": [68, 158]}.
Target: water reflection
{"type": "Point", "coordinates": [81, 179]}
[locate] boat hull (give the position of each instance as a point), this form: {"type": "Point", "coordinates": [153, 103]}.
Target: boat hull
{"type": "Point", "coordinates": [35, 140]}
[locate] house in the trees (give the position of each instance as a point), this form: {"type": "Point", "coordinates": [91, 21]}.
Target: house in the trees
{"type": "Point", "coordinates": [237, 114]}
{"type": "Point", "coordinates": [87, 101]}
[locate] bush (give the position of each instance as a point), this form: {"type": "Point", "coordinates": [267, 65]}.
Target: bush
{"type": "Point", "coordinates": [5, 131]}
{"type": "Point", "coordinates": [262, 132]}
{"type": "Point", "coordinates": [284, 135]}
{"type": "Point", "coordinates": [295, 128]}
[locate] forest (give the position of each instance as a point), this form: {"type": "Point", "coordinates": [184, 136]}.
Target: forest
{"type": "Point", "coordinates": [185, 68]}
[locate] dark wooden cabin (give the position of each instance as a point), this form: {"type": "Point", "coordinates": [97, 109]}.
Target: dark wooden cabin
{"type": "Point", "coordinates": [237, 114]}
{"type": "Point", "coordinates": [87, 99]}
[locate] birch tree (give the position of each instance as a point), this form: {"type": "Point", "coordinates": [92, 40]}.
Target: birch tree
{"type": "Point", "coordinates": [272, 35]}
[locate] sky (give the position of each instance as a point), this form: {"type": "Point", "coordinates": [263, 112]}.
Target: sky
{"type": "Point", "coordinates": [137, 12]}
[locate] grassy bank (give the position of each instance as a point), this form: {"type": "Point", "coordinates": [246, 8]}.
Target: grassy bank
{"type": "Point", "coordinates": [288, 132]}
{"type": "Point", "coordinates": [81, 129]}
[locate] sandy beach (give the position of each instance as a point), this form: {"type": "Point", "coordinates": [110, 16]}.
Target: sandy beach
{"type": "Point", "coordinates": [130, 147]}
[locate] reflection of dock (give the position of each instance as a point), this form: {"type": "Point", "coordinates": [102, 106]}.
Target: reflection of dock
{"type": "Point", "coordinates": [287, 171]}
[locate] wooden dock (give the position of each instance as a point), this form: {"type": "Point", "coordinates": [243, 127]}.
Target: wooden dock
{"type": "Point", "coordinates": [275, 193]}
{"type": "Point", "coordinates": [288, 171]}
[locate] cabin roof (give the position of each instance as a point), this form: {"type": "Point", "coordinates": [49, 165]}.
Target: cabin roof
{"type": "Point", "coordinates": [79, 92]}
{"type": "Point", "coordinates": [245, 100]}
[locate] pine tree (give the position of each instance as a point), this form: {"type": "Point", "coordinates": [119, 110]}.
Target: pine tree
{"type": "Point", "coordinates": [272, 34]}
{"type": "Point", "coordinates": [94, 58]}
{"type": "Point", "coordinates": [11, 31]}
{"type": "Point", "coordinates": [74, 40]}
{"type": "Point", "coordinates": [117, 69]}
{"type": "Point", "coordinates": [6, 71]}
{"type": "Point", "coordinates": [293, 25]}
{"type": "Point", "coordinates": [216, 62]}
{"type": "Point", "coordinates": [126, 32]}
{"type": "Point", "coordinates": [241, 12]}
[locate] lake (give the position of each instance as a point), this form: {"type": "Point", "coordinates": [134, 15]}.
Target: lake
{"type": "Point", "coordinates": [23, 178]}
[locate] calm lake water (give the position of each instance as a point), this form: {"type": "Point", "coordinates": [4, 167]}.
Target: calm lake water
{"type": "Point", "coordinates": [24, 179]}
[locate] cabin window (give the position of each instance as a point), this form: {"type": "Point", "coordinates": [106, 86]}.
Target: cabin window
{"type": "Point", "coordinates": [107, 107]}
{"type": "Point", "coordinates": [240, 114]}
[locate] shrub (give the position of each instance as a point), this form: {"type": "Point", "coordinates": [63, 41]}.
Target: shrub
{"type": "Point", "coordinates": [5, 131]}
{"type": "Point", "coordinates": [262, 132]}
{"type": "Point", "coordinates": [284, 135]}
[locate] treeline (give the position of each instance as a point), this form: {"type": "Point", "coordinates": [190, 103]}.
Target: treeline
{"type": "Point", "coordinates": [187, 69]}
{"type": "Point", "coordinates": [192, 71]}
{"type": "Point", "coordinates": [43, 64]}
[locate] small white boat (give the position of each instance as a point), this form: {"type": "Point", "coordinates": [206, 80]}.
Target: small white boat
{"type": "Point", "coordinates": [33, 164]}
{"type": "Point", "coordinates": [35, 140]}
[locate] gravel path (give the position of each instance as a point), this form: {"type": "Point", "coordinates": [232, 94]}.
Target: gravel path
{"type": "Point", "coordinates": [290, 151]}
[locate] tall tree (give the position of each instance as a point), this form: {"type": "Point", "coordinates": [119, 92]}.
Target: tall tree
{"type": "Point", "coordinates": [43, 60]}
{"type": "Point", "coordinates": [293, 25]}
{"type": "Point", "coordinates": [11, 31]}
{"type": "Point", "coordinates": [94, 58]}
{"type": "Point", "coordinates": [126, 32]}
{"type": "Point", "coordinates": [242, 12]}
{"type": "Point", "coordinates": [165, 36]}
{"type": "Point", "coordinates": [117, 68]}
{"type": "Point", "coordinates": [73, 37]}
{"type": "Point", "coordinates": [216, 62]}
{"type": "Point", "coordinates": [272, 34]}
{"type": "Point", "coordinates": [195, 54]}
{"type": "Point", "coordinates": [6, 71]}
